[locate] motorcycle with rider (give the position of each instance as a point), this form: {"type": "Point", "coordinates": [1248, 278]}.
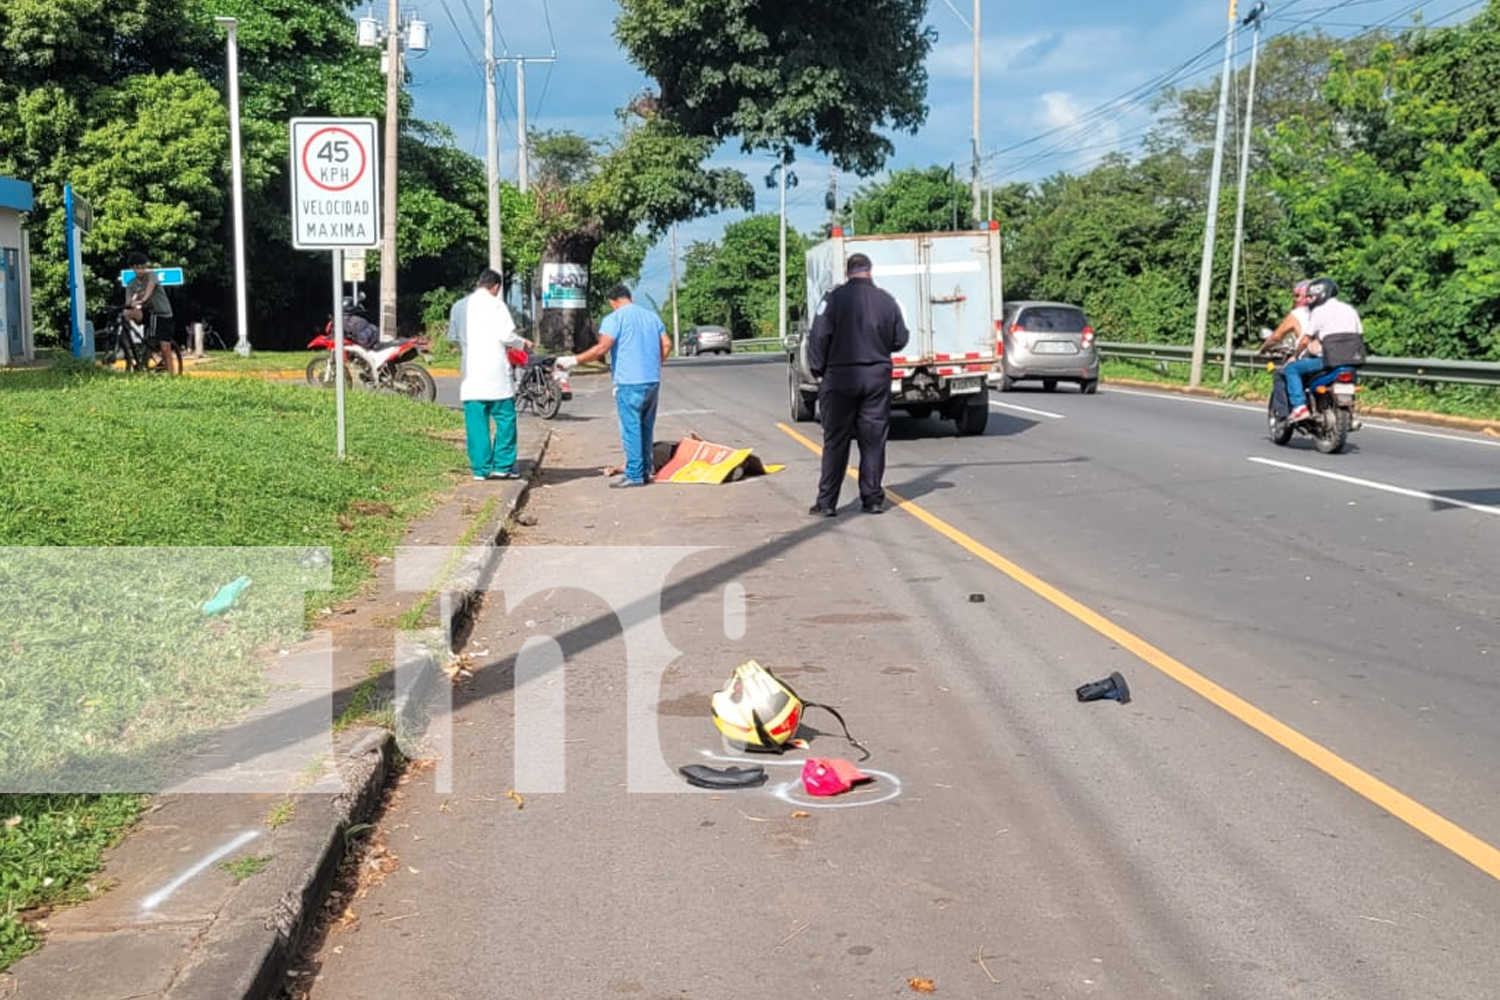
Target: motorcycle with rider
{"type": "Point", "coordinates": [1315, 379]}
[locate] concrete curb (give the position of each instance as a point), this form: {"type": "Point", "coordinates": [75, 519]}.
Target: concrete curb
{"type": "Point", "coordinates": [366, 768]}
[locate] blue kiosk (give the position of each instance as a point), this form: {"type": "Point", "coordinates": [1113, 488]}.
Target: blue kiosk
{"type": "Point", "coordinates": [17, 342]}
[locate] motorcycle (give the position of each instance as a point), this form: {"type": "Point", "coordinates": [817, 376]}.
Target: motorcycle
{"type": "Point", "coordinates": [1330, 402]}
{"type": "Point", "coordinates": [389, 366]}
{"type": "Point", "coordinates": [537, 386]}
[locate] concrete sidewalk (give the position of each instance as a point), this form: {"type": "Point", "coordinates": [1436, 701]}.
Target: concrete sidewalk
{"type": "Point", "coordinates": [171, 921]}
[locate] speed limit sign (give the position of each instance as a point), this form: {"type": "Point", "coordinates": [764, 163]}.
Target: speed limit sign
{"type": "Point", "coordinates": [334, 192]}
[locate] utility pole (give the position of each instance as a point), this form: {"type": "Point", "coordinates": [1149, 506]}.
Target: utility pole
{"type": "Point", "coordinates": [974, 170]}
{"type": "Point", "coordinates": [1239, 209]}
{"type": "Point", "coordinates": [782, 179]}
{"type": "Point", "coordinates": [492, 143]}
{"type": "Point", "coordinates": [392, 114]}
{"type": "Point", "coordinates": [521, 139]}
{"type": "Point", "coordinates": [676, 334]}
{"type": "Point", "coordinates": [1206, 271]}
{"type": "Point", "coordinates": [831, 199]}
{"type": "Point", "coordinates": [395, 40]}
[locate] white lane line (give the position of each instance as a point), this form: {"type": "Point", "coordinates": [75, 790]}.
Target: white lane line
{"type": "Point", "coordinates": [1391, 424]}
{"type": "Point", "coordinates": [1027, 409]}
{"type": "Point", "coordinates": [1385, 487]}
{"type": "Point", "coordinates": [158, 897]}
{"type": "Point", "coordinates": [1183, 398]}
{"type": "Point", "coordinates": [1394, 429]}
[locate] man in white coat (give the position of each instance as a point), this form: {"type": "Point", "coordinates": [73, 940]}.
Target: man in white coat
{"type": "Point", "coordinates": [481, 326]}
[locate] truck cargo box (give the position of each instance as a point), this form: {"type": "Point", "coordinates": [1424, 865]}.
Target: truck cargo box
{"type": "Point", "coordinates": [949, 289]}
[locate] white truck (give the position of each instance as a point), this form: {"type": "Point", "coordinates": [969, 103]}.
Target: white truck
{"type": "Point", "coordinates": [948, 285]}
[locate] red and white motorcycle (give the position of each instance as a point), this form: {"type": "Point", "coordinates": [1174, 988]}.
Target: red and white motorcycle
{"type": "Point", "coordinates": [388, 366]}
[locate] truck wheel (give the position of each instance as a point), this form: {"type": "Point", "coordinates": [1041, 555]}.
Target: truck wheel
{"type": "Point", "coordinates": [802, 403]}
{"type": "Point", "coordinates": [973, 418]}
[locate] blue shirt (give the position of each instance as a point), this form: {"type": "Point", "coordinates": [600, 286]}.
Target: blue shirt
{"type": "Point", "coordinates": [635, 355]}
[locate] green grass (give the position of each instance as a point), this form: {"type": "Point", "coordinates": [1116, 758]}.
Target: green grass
{"type": "Point", "coordinates": [49, 849]}
{"type": "Point", "coordinates": [281, 813]}
{"type": "Point", "coordinates": [107, 660]}
{"type": "Point", "coordinates": [242, 868]}
{"type": "Point", "coordinates": [1474, 402]}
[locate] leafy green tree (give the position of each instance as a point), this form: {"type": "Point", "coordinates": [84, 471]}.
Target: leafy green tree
{"type": "Point", "coordinates": [736, 282]}
{"type": "Point", "coordinates": [910, 201]}
{"type": "Point", "coordinates": [1405, 219]}
{"type": "Point", "coordinates": [820, 73]}
{"type": "Point", "coordinates": [124, 100]}
{"type": "Point", "coordinates": [621, 199]}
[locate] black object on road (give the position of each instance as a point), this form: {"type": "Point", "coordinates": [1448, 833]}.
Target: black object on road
{"type": "Point", "coordinates": [1112, 687]}
{"type": "Point", "coordinates": [729, 777]}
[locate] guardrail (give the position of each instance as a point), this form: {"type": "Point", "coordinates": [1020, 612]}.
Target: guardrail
{"type": "Point", "coordinates": [758, 344]}
{"type": "Point", "coordinates": [1485, 373]}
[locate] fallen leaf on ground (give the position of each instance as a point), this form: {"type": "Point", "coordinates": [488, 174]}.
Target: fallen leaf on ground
{"type": "Point", "coordinates": [919, 985]}
{"type": "Point", "coordinates": [513, 794]}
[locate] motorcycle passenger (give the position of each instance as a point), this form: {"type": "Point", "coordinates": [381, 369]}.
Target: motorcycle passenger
{"type": "Point", "coordinates": [146, 303]}
{"type": "Point", "coordinates": [1293, 323]}
{"type": "Point", "coordinates": [1326, 315]}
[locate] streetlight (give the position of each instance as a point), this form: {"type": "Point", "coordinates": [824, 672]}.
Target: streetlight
{"type": "Point", "coordinates": [779, 173]}
{"type": "Point", "coordinates": [1239, 209]}
{"type": "Point", "coordinates": [1206, 270]}
{"type": "Point", "coordinates": [231, 40]}
{"type": "Point", "coordinates": [414, 35]}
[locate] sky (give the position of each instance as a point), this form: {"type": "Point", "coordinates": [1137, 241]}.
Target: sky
{"type": "Point", "coordinates": [1061, 84]}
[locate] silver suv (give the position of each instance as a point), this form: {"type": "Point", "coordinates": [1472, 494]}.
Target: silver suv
{"type": "Point", "coordinates": [1048, 341]}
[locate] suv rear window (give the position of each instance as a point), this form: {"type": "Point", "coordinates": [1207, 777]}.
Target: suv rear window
{"type": "Point", "coordinates": [1055, 318]}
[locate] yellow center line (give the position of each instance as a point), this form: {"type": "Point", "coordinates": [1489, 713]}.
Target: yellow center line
{"type": "Point", "coordinates": [1480, 854]}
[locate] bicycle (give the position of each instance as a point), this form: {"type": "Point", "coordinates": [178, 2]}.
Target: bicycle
{"type": "Point", "coordinates": [537, 389]}
{"type": "Point", "coordinates": [127, 340]}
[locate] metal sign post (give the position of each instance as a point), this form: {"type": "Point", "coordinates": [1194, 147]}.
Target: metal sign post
{"type": "Point", "coordinates": [335, 207]}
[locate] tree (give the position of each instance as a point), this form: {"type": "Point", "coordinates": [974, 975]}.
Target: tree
{"type": "Point", "coordinates": [820, 73]}
{"type": "Point", "coordinates": [910, 201]}
{"type": "Point", "coordinates": [736, 282]}
{"type": "Point", "coordinates": [621, 198]}
{"type": "Point", "coordinates": [123, 100]}
{"type": "Point", "coordinates": [1399, 205]}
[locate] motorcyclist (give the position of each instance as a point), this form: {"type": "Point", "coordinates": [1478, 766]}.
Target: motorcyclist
{"type": "Point", "coordinates": [1326, 315]}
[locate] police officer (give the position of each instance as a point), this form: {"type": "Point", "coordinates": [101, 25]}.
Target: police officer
{"type": "Point", "coordinates": [855, 331]}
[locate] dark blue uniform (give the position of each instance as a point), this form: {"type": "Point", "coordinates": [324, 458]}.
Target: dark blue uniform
{"type": "Point", "coordinates": [855, 331]}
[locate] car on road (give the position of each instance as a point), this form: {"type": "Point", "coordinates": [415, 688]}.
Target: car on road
{"type": "Point", "coordinates": [707, 340]}
{"type": "Point", "coordinates": [1050, 342]}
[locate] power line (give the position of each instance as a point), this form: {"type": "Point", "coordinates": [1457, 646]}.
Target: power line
{"type": "Point", "coordinates": [459, 32]}
{"type": "Point", "coordinates": [1065, 136]}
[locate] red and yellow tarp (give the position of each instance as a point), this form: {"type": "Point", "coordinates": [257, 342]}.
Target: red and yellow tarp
{"type": "Point", "coordinates": [698, 461]}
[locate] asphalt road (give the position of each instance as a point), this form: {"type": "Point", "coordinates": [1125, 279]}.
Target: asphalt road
{"type": "Point", "coordinates": [1299, 801]}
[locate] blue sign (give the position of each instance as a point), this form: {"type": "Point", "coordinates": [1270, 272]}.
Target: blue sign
{"type": "Point", "coordinates": [164, 276]}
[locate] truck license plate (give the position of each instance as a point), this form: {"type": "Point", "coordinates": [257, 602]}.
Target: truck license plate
{"type": "Point", "coordinates": [958, 386]}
